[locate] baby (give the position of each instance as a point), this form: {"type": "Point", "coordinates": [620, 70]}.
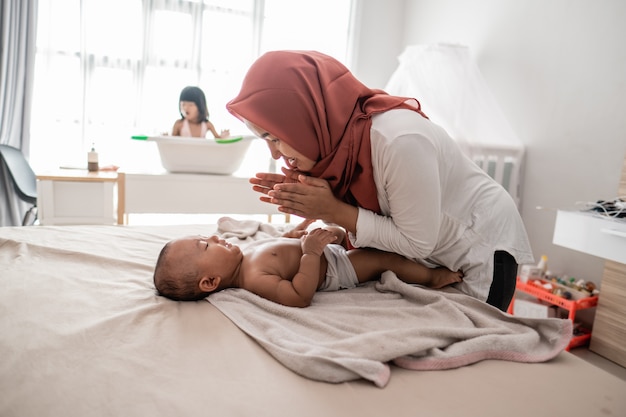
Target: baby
{"type": "Point", "coordinates": [287, 270]}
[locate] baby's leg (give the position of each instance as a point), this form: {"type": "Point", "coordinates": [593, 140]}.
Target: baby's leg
{"type": "Point", "coordinates": [440, 276]}
{"type": "Point", "coordinates": [369, 264]}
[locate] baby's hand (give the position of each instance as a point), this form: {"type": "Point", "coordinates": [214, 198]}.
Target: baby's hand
{"type": "Point", "coordinates": [225, 133]}
{"type": "Point", "coordinates": [300, 230]}
{"type": "Point", "coordinates": [314, 242]}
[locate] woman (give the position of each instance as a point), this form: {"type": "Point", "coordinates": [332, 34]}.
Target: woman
{"type": "Point", "coordinates": [375, 165]}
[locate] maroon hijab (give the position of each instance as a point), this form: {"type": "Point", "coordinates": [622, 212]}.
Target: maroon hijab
{"type": "Point", "coordinates": [314, 104]}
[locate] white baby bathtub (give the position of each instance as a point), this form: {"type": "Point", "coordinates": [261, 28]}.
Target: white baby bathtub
{"type": "Point", "coordinates": [202, 156]}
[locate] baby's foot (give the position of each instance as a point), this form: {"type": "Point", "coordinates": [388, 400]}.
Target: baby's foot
{"type": "Point", "coordinates": [443, 277]}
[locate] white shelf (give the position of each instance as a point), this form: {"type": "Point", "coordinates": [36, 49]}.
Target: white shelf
{"type": "Point", "coordinates": [190, 193]}
{"type": "Point", "coordinates": [591, 233]}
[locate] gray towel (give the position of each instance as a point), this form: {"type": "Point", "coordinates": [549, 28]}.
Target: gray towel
{"type": "Point", "coordinates": [356, 333]}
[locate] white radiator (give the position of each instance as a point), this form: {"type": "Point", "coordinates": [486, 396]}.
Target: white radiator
{"type": "Point", "coordinates": [454, 95]}
{"type": "Point", "coordinates": [503, 163]}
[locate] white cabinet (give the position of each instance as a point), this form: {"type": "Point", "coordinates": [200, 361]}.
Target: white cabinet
{"type": "Point", "coordinates": [591, 233]}
{"type": "Point", "coordinates": [81, 197]}
{"type": "Point", "coordinates": [604, 237]}
{"type": "Point", "coordinates": [73, 196]}
{"type": "Point", "coordinates": [188, 193]}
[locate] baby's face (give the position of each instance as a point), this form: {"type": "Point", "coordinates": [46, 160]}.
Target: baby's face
{"type": "Point", "coordinates": [209, 254]}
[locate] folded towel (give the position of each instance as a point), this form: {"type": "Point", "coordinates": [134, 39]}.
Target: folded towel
{"type": "Point", "coordinates": [356, 333]}
{"type": "Point", "coordinates": [247, 230]}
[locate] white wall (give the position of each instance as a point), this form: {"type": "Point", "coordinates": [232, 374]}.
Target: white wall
{"type": "Point", "coordinates": [558, 70]}
{"type": "Point", "coordinates": [379, 35]}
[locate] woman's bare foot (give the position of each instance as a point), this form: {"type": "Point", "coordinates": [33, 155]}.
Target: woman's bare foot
{"type": "Point", "coordinates": [442, 277]}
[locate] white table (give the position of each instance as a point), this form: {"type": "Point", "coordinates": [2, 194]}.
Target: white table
{"type": "Point", "coordinates": [606, 238]}
{"type": "Point", "coordinates": [165, 192]}
{"type": "Point", "coordinates": [76, 196]}
{"type": "Point", "coordinates": [591, 233]}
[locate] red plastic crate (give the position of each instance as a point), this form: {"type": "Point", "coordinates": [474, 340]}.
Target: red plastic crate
{"type": "Point", "coordinates": [571, 305]}
{"type": "Point", "coordinates": [543, 294]}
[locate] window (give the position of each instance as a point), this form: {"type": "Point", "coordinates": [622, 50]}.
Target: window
{"type": "Point", "coordinates": [107, 70]}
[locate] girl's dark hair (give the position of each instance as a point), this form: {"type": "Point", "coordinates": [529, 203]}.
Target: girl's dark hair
{"type": "Point", "coordinates": [196, 95]}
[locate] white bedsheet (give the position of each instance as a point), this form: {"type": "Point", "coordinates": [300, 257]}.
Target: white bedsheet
{"type": "Point", "coordinates": [82, 333]}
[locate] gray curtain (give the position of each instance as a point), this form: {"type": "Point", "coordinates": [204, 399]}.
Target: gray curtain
{"type": "Point", "coordinates": [18, 31]}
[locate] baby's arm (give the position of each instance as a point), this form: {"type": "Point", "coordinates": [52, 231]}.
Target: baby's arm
{"type": "Point", "coordinates": [300, 230]}
{"type": "Point", "coordinates": [306, 280]}
{"type": "Point", "coordinates": [340, 233]}
{"type": "Point", "coordinates": [299, 290]}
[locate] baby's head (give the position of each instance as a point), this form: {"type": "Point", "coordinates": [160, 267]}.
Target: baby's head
{"type": "Point", "coordinates": [191, 268]}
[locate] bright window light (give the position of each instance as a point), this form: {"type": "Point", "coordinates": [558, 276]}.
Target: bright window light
{"type": "Point", "coordinates": [290, 24]}
{"type": "Point", "coordinates": [107, 70]}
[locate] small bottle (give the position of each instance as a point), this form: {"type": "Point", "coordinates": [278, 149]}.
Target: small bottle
{"type": "Point", "coordinates": [92, 160]}
{"type": "Point", "coordinates": [543, 265]}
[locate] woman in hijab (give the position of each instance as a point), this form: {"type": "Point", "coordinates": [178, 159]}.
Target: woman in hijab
{"type": "Point", "coordinates": [376, 165]}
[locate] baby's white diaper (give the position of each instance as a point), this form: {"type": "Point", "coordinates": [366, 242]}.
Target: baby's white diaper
{"type": "Point", "coordinates": [340, 274]}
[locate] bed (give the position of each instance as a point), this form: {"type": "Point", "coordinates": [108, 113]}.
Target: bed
{"type": "Point", "coordinates": [82, 333]}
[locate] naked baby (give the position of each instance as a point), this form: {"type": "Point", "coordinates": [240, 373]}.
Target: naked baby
{"type": "Point", "coordinates": [287, 270]}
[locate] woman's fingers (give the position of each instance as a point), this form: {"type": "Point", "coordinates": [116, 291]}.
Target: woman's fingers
{"type": "Point", "coordinates": [290, 175]}
{"type": "Point", "coordinates": [313, 181]}
{"type": "Point", "coordinates": [267, 178]}
{"type": "Point", "coordinates": [265, 181]}
{"type": "Point", "coordinates": [310, 198]}
{"type": "Point", "coordinates": [294, 193]}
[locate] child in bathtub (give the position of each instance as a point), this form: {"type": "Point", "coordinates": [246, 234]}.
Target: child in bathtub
{"type": "Point", "coordinates": [194, 121]}
{"type": "Point", "coordinates": [287, 270]}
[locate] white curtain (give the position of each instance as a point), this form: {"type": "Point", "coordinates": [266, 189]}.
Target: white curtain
{"type": "Point", "coordinates": [110, 69]}
{"type": "Point", "coordinates": [18, 22]}
{"type": "Point", "coordinates": [453, 93]}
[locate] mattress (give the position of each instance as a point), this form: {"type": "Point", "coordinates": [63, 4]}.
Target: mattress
{"type": "Point", "coordinates": [83, 333]}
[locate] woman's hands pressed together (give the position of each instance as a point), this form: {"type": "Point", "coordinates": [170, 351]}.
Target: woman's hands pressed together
{"type": "Point", "coordinates": [264, 182]}
{"type": "Point", "coordinates": [304, 196]}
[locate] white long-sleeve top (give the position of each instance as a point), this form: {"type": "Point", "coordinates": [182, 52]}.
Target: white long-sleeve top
{"type": "Point", "coordinates": [438, 207]}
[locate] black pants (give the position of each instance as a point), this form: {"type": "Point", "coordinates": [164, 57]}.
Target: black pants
{"type": "Point", "coordinates": [504, 278]}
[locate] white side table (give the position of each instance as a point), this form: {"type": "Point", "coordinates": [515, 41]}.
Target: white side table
{"type": "Point", "coordinates": [75, 196]}
{"type": "Point", "coordinates": [606, 238]}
